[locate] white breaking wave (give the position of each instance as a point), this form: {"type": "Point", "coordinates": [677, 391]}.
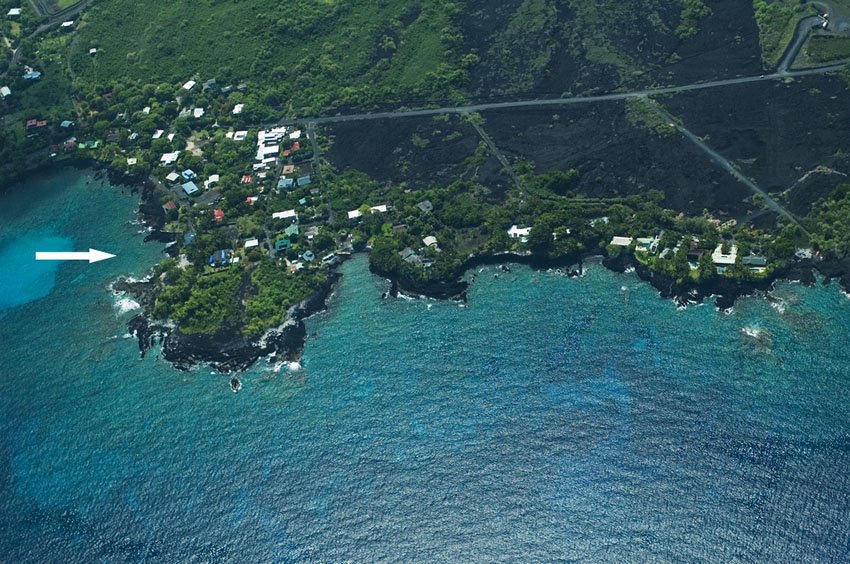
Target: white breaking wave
{"type": "Point", "coordinates": [125, 305]}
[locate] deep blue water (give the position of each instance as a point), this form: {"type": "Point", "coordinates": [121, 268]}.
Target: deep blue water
{"type": "Point", "coordinates": [548, 419]}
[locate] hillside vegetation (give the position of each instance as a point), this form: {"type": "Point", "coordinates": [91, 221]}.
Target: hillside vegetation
{"type": "Point", "coordinates": [315, 54]}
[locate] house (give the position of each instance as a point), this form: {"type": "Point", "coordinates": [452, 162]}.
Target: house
{"type": "Point", "coordinates": [296, 146]}
{"type": "Point", "coordinates": [221, 258]}
{"type": "Point", "coordinates": [379, 209]}
{"type": "Point", "coordinates": [31, 123]}
{"type": "Point", "coordinates": [157, 134]}
{"type": "Point", "coordinates": [426, 206]}
{"type": "Point", "coordinates": [14, 13]}
{"type": "Point", "coordinates": [189, 85]}
{"type": "Point", "coordinates": [240, 135]}
{"type": "Point", "coordinates": [189, 174]}
{"type": "Point", "coordinates": [70, 144]}
{"type": "Point", "coordinates": [93, 51]}
{"type": "Point", "coordinates": [190, 188]}
{"type": "Point", "coordinates": [288, 214]}
{"type": "Point", "coordinates": [302, 201]}
{"type": "Point", "coordinates": [67, 124]}
{"type": "Point", "coordinates": [172, 177]}
{"type": "Point", "coordinates": [66, 26]}
{"type": "Point", "coordinates": [308, 256]}
{"type": "Point", "coordinates": [430, 241]}
{"type": "Point", "coordinates": [170, 205]}
{"type": "Point", "coordinates": [198, 113]}
{"type": "Point", "coordinates": [218, 214]}
{"type": "Point", "coordinates": [89, 144]}
{"type": "Point", "coordinates": [282, 245]}
{"type": "Point", "coordinates": [212, 181]}
{"type": "Point", "coordinates": [169, 158]}
{"type": "Point", "coordinates": [251, 200]}
{"type": "Point", "coordinates": [247, 179]}
{"type": "Point", "coordinates": [32, 75]}
{"type": "Point", "coordinates": [291, 231]}
{"type": "Point", "coordinates": [724, 259]}
{"type": "Point", "coordinates": [400, 228]}
{"type": "Point", "coordinates": [171, 136]}
{"type": "Point", "coordinates": [211, 84]}
{"type": "Point", "coordinates": [285, 183]}
{"type": "Point", "coordinates": [517, 232]}
{"type": "Point", "coordinates": [5, 92]}
{"type": "Point", "coordinates": [295, 134]}
{"type": "Point", "coordinates": [355, 214]}
{"type": "Point", "coordinates": [133, 136]}
{"type": "Point", "coordinates": [132, 161]}
{"type": "Point", "coordinates": [304, 181]}
{"type": "Point", "coordinates": [288, 169]}
{"type": "Point", "coordinates": [621, 241]}
{"type": "Point", "coordinates": [237, 109]}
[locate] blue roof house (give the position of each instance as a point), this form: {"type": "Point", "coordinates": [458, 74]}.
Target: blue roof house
{"type": "Point", "coordinates": [189, 174]}
{"type": "Point", "coordinates": [190, 188]}
{"type": "Point", "coordinates": [304, 180]}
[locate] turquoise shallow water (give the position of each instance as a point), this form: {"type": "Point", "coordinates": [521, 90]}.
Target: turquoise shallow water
{"type": "Point", "coordinates": [550, 418]}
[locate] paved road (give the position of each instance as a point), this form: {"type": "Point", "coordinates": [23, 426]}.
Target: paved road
{"type": "Point", "coordinates": [724, 163]}
{"type": "Point", "coordinates": [565, 101]}
{"type": "Point", "coordinates": [804, 29]}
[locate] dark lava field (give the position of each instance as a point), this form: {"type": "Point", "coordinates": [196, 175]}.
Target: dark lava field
{"type": "Point", "coordinates": [790, 136]}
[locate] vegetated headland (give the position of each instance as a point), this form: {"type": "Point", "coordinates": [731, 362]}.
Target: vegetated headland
{"type": "Point", "coordinates": [438, 137]}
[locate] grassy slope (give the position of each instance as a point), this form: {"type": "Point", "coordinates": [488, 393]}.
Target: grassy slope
{"type": "Point", "coordinates": [316, 53]}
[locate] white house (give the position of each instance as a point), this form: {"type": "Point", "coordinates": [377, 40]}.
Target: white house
{"type": "Point", "coordinates": [198, 113]}
{"type": "Point", "coordinates": [237, 109]}
{"type": "Point", "coordinates": [621, 241]}
{"type": "Point", "coordinates": [354, 214]}
{"type": "Point", "coordinates": [379, 209]}
{"type": "Point", "coordinates": [169, 158]}
{"type": "Point", "coordinates": [721, 259]}
{"type": "Point", "coordinates": [250, 244]}
{"type": "Point", "coordinates": [14, 13]}
{"type": "Point", "coordinates": [158, 133]}
{"type": "Point", "coordinates": [4, 91]}
{"type": "Point", "coordinates": [173, 177]}
{"type": "Point", "coordinates": [189, 85]}
{"type": "Point", "coordinates": [430, 241]}
{"type": "Point", "coordinates": [212, 181]}
{"type": "Point", "coordinates": [517, 232]}
{"type": "Point", "coordinates": [240, 135]}
{"type": "Point", "coordinates": [132, 161]}
{"type": "Point", "coordinates": [285, 215]}
{"type": "Point", "coordinates": [67, 25]}
{"type": "Point", "coordinates": [295, 134]}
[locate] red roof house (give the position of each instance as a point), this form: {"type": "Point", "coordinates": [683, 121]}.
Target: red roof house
{"type": "Point", "coordinates": [170, 205]}
{"type": "Point", "coordinates": [219, 215]}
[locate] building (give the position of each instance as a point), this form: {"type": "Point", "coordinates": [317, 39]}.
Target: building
{"type": "Point", "coordinates": [14, 13]}
{"type": "Point", "coordinates": [218, 214]}
{"type": "Point", "coordinates": [517, 232]}
{"type": "Point", "coordinates": [212, 181]}
{"type": "Point", "coordinates": [621, 241]}
{"type": "Point", "coordinates": [252, 243]}
{"type": "Point", "coordinates": [158, 133]}
{"type": "Point", "coordinates": [169, 158]}
{"type": "Point", "coordinates": [172, 177]}
{"type": "Point", "coordinates": [304, 181]}
{"type": "Point", "coordinates": [291, 231]}
{"type": "Point", "coordinates": [32, 75]}
{"type": "Point", "coordinates": [189, 85]}
{"type": "Point", "coordinates": [288, 214]}
{"type": "Point", "coordinates": [198, 113]}
{"type": "Point", "coordinates": [430, 241]}
{"type": "Point", "coordinates": [251, 200]}
{"type": "Point", "coordinates": [237, 109]}
{"type": "Point", "coordinates": [67, 124]}
{"type": "Point", "coordinates": [93, 51]}
{"type": "Point", "coordinates": [285, 183]}
{"type": "Point", "coordinates": [724, 259]}
{"type": "Point", "coordinates": [426, 206]}
{"type": "Point", "coordinates": [379, 209]}
{"type": "Point", "coordinates": [308, 256]}
{"type": "Point", "coordinates": [132, 161]}
{"type": "Point", "coordinates": [170, 205]}
{"type": "Point", "coordinates": [282, 245]}
{"type": "Point", "coordinates": [647, 245]}
{"type": "Point", "coordinates": [221, 258]}
{"type": "Point", "coordinates": [190, 188]}
{"type": "Point", "coordinates": [5, 92]}
{"type": "Point", "coordinates": [355, 214]}
{"type": "Point", "coordinates": [189, 174]}
{"type": "Point", "coordinates": [66, 26]}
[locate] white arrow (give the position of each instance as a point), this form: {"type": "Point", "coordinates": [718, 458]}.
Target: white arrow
{"type": "Point", "coordinates": [92, 256]}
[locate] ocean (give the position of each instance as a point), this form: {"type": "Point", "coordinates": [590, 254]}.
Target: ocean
{"type": "Point", "coordinates": [549, 418]}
